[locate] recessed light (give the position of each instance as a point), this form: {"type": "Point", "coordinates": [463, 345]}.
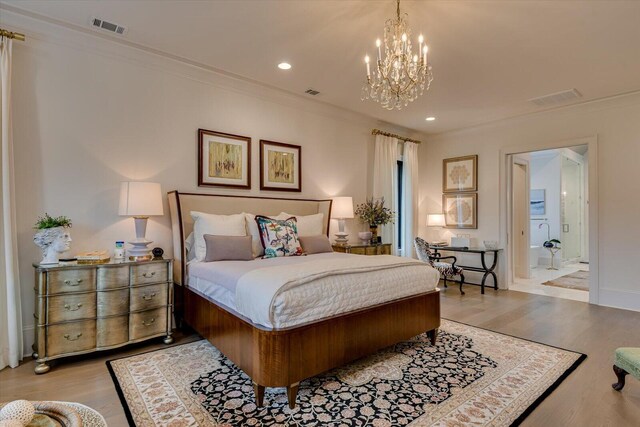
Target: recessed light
{"type": "Point", "coordinates": [284, 65]}
{"type": "Point", "coordinates": [430, 119]}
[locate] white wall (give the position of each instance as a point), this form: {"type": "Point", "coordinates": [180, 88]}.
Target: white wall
{"type": "Point", "coordinates": [90, 113]}
{"type": "Point", "coordinates": [616, 122]}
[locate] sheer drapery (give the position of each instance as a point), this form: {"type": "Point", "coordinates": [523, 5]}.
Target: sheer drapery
{"type": "Point", "coordinates": [385, 184]}
{"type": "Point", "coordinates": [410, 196]}
{"type": "Point", "coordinates": [10, 311]}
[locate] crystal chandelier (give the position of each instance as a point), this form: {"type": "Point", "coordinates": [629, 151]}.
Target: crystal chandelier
{"type": "Point", "coordinates": [399, 76]}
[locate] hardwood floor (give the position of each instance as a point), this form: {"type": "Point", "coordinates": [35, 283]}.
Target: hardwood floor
{"type": "Point", "coordinates": [584, 399]}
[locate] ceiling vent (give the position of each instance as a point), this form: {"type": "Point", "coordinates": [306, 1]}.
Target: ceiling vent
{"type": "Point", "coordinates": [557, 98]}
{"type": "Point", "coordinates": [311, 92]}
{"type": "Point", "coordinates": [108, 26]}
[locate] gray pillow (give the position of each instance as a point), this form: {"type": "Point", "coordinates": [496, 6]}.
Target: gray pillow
{"type": "Point", "coordinates": [228, 248]}
{"type": "Point", "coordinates": [315, 244]}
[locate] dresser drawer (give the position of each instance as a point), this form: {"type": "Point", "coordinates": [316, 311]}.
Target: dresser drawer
{"type": "Point", "coordinates": [144, 297]}
{"type": "Point", "coordinates": [112, 331]}
{"type": "Point", "coordinates": [71, 280]}
{"type": "Point", "coordinates": [113, 277]}
{"type": "Point", "coordinates": [71, 337]}
{"type": "Point", "coordinates": [149, 273]}
{"type": "Point", "coordinates": [62, 308]}
{"type": "Point", "coordinates": [147, 323]}
{"type": "Point", "coordinates": [113, 302]}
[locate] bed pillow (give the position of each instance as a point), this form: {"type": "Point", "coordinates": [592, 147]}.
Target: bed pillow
{"type": "Point", "coordinates": [228, 248]}
{"type": "Point", "coordinates": [279, 237]}
{"type": "Point", "coordinates": [217, 225]}
{"type": "Point", "coordinates": [315, 244]}
{"type": "Point", "coordinates": [308, 225]}
{"type": "Point", "coordinates": [188, 245]}
{"type": "Point", "coordinates": [254, 232]}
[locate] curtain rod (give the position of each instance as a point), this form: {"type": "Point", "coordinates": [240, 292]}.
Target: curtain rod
{"type": "Point", "coordinates": [12, 35]}
{"type": "Point", "coordinates": [393, 135]}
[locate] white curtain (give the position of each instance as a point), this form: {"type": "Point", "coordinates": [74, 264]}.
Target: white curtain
{"type": "Point", "coordinates": [385, 183]}
{"type": "Point", "coordinates": [409, 197]}
{"type": "Point", "coordinates": [10, 312]}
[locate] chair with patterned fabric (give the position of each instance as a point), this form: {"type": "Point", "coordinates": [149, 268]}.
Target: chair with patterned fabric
{"type": "Point", "coordinates": [434, 259]}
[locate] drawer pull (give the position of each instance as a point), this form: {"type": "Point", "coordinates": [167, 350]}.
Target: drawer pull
{"type": "Point", "coordinates": [70, 308]}
{"type": "Point", "coordinates": [150, 322]}
{"type": "Point", "coordinates": [70, 283]}
{"type": "Point", "coordinates": [68, 337]}
{"type": "Point", "coordinates": [148, 297]}
{"type": "Point", "coordinates": [147, 275]}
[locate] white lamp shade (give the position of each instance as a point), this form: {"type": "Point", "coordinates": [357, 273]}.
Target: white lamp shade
{"type": "Point", "coordinates": [342, 207]}
{"type": "Point", "coordinates": [140, 199]}
{"type": "Point", "coordinates": [435, 220]}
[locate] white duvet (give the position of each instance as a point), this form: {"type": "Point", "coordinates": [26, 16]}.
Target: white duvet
{"type": "Point", "coordinates": [285, 292]}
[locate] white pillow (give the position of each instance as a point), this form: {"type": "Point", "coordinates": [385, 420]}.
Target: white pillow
{"type": "Point", "coordinates": [188, 244]}
{"type": "Point", "coordinates": [254, 232]}
{"type": "Point", "coordinates": [308, 225]}
{"type": "Point", "coordinates": [218, 225]}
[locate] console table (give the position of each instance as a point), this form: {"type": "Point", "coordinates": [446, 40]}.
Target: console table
{"type": "Point", "coordinates": [488, 271]}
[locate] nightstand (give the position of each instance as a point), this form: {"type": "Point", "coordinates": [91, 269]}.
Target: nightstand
{"type": "Point", "coordinates": [82, 308]}
{"type": "Point", "coordinates": [364, 249]}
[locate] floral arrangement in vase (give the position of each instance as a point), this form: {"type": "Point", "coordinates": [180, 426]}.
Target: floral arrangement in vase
{"type": "Point", "coordinates": [375, 213]}
{"type": "Point", "coordinates": [52, 237]}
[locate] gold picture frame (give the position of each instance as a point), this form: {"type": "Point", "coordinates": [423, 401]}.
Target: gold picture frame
{"type": "Point", "coordinates": [460, 210]}
{"type": "Point", "coordinates": [460, 174]}
{"type": "Point", "coordinates": [280, 166]}
{"type": "Point", "coordinates": [224, 160]}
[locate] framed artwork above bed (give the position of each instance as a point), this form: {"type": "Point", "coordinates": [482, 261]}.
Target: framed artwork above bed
{"type": "Point", "coordinates": [280, 166]}
{"type": "Point", "coordinates": [224, 160]}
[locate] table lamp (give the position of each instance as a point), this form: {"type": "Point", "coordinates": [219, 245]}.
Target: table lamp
{"type": "Point", "coordinates": [342, 208]}
{"type": "Point", "coordinates": [140, 200]}
{"type": "Point", "coordinates": [436, 221]}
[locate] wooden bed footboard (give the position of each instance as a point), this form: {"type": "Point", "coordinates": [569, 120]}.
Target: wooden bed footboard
{"type": "Point", "coordinates": [284, 357]}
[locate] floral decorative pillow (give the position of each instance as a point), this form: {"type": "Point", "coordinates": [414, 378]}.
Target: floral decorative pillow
{"type": "Point", "coordinates": [279, 236]}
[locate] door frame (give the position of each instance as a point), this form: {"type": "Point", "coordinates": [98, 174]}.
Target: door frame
{"type": "Point", "coordinates": [513, 161]}
{"type": "Point", "coordinates": [504, 214]}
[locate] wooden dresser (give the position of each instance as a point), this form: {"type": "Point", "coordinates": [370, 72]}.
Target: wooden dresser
{"type": "Point", "coordinates": [364, 249]}
{"type": "Point", "coordinates": [84, 308]}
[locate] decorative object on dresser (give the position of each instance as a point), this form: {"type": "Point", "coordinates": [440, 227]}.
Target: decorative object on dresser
{"type": "Point", "coordinates": [460, 210]}
{"type": "Point", "coordinates": [364, 249]}
{"type": "Point", "coordinates": [375, 213]}
{"type": "Point", "coordinates": [365, 236]}
{"type": "Point", "coordinates": [140, 200]}
{"type": "Point", "coordinates": [85, 308]}
{"type": "Point", "coordinates": [460, 174]}
{"type": "Point", "coordinates": [280, 166]}
{"type": "Point", "coordinates": [423, 250]}
{"type": "Point", "coordinates": [224, 160]}
{"type": "Point", "coordinates": [436, 221]}
{"type": "Point", "coordinates": [157, 253]}
{"type": "Point", "coordinates": [52, 237]}
{"type": "Point", "coordinates": [95, 257]}
{"type": "Point", "coordinates": [341, 209]}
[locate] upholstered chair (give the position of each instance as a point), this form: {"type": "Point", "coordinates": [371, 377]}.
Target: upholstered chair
{"type": "Point", "coordinates": [435, 260]}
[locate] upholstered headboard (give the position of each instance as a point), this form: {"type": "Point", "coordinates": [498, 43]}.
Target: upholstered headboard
{"type": "Point", "coordinates": [181, 205]}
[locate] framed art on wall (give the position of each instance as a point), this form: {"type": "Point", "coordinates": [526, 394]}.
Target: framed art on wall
{"type": "Point", "coordinates": [224, 159]}
{"type": "Point", "coordinates": [460, 210]}
{"type": "Point", "coordinates": [537, 202]}
{"type": "Point", "coordinates": [460, 174]}
{"type": "Point", "coordinates": [280, 166]}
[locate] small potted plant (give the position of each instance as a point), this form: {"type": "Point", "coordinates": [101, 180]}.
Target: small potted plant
{"type": "Point", "coordinates": [52, 237]}
{"type": "Point", "coordinates": [374, 213]}
{"type": "Point", "coordinates": [552, 246]}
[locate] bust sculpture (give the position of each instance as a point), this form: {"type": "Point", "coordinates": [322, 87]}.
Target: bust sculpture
{"type": "Point", "coordinates": [53, 237]}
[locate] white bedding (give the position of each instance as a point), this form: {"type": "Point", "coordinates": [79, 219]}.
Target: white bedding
{"type": "Point", "coordinates": [289, 291]}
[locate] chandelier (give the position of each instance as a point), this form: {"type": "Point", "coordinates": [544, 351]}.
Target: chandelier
{"type": "Point", "coordinates": [399, 76]}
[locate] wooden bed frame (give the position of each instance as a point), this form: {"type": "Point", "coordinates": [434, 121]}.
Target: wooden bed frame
{"type": "Point", "coordinates": [284, 357]}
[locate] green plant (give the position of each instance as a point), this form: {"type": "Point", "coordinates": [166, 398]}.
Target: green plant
{"type": "Point", "coordinates": [374, 212]}
{"type": "Point", "coordinates": [47, 221]}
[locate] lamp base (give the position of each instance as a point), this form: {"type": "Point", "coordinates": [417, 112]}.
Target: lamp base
{"type": "Point", "coordinates": [140, 251]}
{"type": "Point", "coordinates": [140, 257]}
{"type": "Point", "coordinates": [341, 238]}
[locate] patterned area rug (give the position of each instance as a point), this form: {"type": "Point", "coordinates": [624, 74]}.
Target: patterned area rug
{"type": "Point", "coordinates": [578, 280]}
{"type": "Point", "coordinates": [471, 376]}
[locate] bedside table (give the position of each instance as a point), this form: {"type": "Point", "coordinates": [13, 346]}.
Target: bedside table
{"type": "Point", "coordinates": [82, 308]}
{"type": "Point", "coordinates": [364, 249]}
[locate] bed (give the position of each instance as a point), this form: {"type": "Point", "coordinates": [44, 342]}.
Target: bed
{"type": "Point", "coordinates": [286, 319]}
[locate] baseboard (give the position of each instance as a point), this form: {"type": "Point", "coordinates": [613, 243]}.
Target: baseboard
{"type": "Point", "coordinates": [627, 300]}
{"type": "Point", "coordinates": [28, 338]}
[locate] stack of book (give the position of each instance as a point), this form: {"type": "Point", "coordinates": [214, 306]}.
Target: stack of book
{"type": "Point", "coordinates": [95, 257]}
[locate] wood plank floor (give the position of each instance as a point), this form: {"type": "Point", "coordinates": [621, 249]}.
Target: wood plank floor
{"type": "Point", "coordinates": [584, 399]}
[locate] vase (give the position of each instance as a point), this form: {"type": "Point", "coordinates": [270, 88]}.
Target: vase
{"type": "Point", "coordinates": [374, 234]}
{"type": "Point", "coordinates": [52, 241]}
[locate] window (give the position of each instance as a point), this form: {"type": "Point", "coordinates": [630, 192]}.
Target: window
{"type": "Point", "coordinates": [400, 215]}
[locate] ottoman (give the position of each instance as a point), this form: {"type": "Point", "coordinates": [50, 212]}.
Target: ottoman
{"type": "Point", "coordinates": [627, 361]}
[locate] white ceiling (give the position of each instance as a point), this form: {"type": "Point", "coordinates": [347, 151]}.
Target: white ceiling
{"type": "Point", "coordinates": [489, 57]}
